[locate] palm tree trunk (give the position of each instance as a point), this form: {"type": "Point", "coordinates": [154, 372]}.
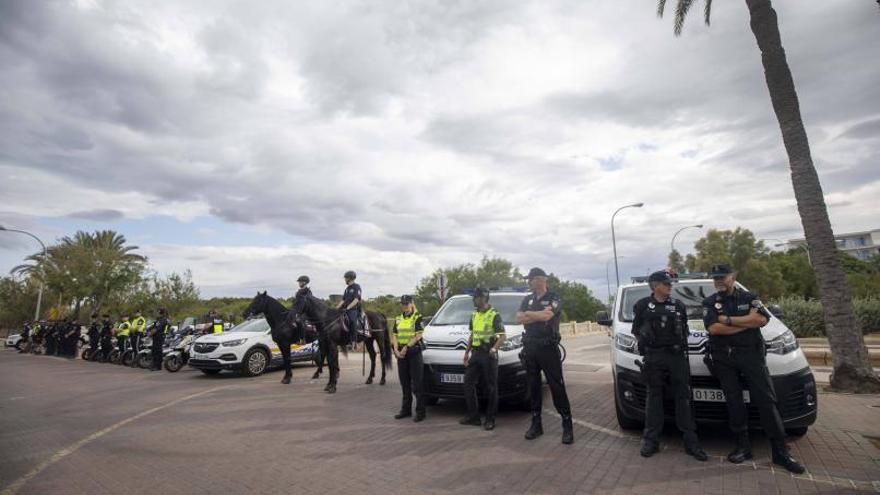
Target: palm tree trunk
{"type": "Point", "coordinates": [852, 367]}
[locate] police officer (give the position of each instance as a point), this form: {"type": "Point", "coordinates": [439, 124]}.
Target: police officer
{"type": "Point", "coordinates": [106, 336]}
{"type": "Point", "coordinates": [410, 367]}
{"type": "Point", "coordinates": [481, 359]}
{"type": "Point", "coordinates": [26, 337]}
{"type": "Point", "coordinates": [123, 329]}
{"type": "Point", "coordinates": [540, 312]}
{"type": "Point", "coordinates": [73, 332]}
{"type": "Point", "coordinates": [51, 339]}
{"type": "Point", "coordinates": [159, 331]}
{"type": "Point", "coordinates": [94, 335]}
{"type": "Point", "coordinates": [138, 326]}
{"type": "Point", "coordinates": [734, 318]}
{"type": "Point", "coordinates": [303, 282]}
{"type": "Point", "coordinates": [215, 323]}
{"type": "Point", "coordinates": [660, 326]}
{"type": "Point", "coordinates": [351, 304]}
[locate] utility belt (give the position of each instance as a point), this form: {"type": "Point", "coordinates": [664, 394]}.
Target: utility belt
{"type": "Point", "coordinates": [482, 347]}
{"type": "Point", "coordinates": [671, 349]}
{"type": "Point", "coordinates": [533, 341]}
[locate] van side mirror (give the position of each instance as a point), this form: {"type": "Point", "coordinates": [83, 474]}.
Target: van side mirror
{"type": "Point", "coordinates": [776, 311]}
{"type": "Point", "coordinates": [603, 318]}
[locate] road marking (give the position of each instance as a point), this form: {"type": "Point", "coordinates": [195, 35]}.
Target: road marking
{"type": "Point", "coordinates": [61, 454]}
{"type": "Point", "coordinates": [586, 424]}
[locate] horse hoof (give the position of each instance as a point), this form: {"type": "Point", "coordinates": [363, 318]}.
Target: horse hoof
{"type": "Point", "coordinates": [369, 381]}
{"type": "Point", "coordinates": [331, 390]}
{"type": "Point", "coordinates": [382, 382]}
{"type": "Point", "coordinates": [316, 376]}
{"type": "Point", "coordinates": [285, 380]}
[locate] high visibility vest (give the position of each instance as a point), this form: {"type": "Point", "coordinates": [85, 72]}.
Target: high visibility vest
{"type": "Point", "coordinates": [481, 322]}
{"type": "Point", "coordinates": [123, 329]}
{"type": "Point", "coordinates": [406, 327]}
{"type": "Point", "coordinates": [217, 326]}
{"type": "Point", "coordinates": [138, 324]}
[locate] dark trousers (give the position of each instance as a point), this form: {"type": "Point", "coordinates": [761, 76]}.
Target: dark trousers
{"type": "Point", "coordinates": [353, 316]}
{"type": "Point", "coordinates": [135, 342]}
{"type": "Point", "coordinates": [93, 342]}
{"type": "Point", "coordinates": [662, 368]}
{"type": "Point", "coordinates": [120, 344]}
{"type": "Point", "coordinates": [728, 363]}
{"type": "Point", "coordinates": [51, 344]}
{"type": "Point", "coordinates": [546, 358]}
{"type": "Point", "coordinates": [411, 372]}
{"type": "Point", "coordinates": [106, 346]}
{"type": "Point", "coordinates": [156, 348]}
{"type": "Point", "coordinates": [482, 367]}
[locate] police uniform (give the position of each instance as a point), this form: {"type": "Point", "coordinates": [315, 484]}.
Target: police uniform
{"type": "Point", "coordinates": [410, 368]}
{"type": "Point", "coordinates": [51, 339]}
{"type": "Point", "coordinates": [217, 325]}
{"type": "Point", "coordinates": [352, 292]}
{"type": "Point", "coordinates": [486, 327]}
{"type": "Point", "coordinates": [106, 338]}
{"type": "Point", "coordinates": [661, 330]}
{"type": "Point", "coordinates": [122, 332]}
{"type": "Point", "coordinates": [743, 354]}
{"type": "Point", "coordinates": [94, 338]}
{"type": "Point", "coordinates": [138, 325]}
{"type": "Point", "coordinates": [541, 353]}
{"type": "Point", "coordinates": [160, 330]}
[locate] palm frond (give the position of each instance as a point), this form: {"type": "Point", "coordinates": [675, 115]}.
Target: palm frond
{"type": "Point", "coordinates": [681, 12]}
{"type": "Point", "coordinates": [707, 12]}
{"type": "Point", "coordinates": [661, 6]}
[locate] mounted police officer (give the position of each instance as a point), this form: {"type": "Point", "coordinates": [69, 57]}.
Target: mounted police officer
{"type": "Point", "coordinates": [405, 342]}
{"type": "Point", "coordinates": [351, 304]}
{"type": "Point", "coordinates": [159, 330]}
{"type": "Point", "coordinates": [660, 325]}
{"type": "Point", "coordinates": [303, 282]}
{"type": "Point", "coordinates": [540, 312]}
{"type": "Point", "coordinates": [734, 317]}
{"type": "Point", "coordinates": [481, 360]}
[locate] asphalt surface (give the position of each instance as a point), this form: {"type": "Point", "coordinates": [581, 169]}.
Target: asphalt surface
{"type": "Point", "coordinates": [68, 426]}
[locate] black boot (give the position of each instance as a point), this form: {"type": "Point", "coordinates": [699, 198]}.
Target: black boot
{"type": "Point", "coordinates": [403, 414]}
{"type": "Point", "coordinates": [743, 450]}
{"type": "Point", "coordinates": [696, 451]}
{"type": "Point", "coordinates": [782, 457]}
{"type": "Point", "coordinates": [567, 430]}
{"type": "Point", "coordinates": [536, 429]}
{"type": "Point", "coordinates": [649, 448]}
{"type": "Point", "coordinates": [470, 421]}
{"type": "Point", "coordinates": [420, 416]}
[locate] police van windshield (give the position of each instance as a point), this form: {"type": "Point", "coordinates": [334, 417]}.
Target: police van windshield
{"type": "Point", "coordinates": [255, 325]}
{"type": "Point", "coordinates": [457, 311]}
{"type": "Point", "coordinates": [690, 293]}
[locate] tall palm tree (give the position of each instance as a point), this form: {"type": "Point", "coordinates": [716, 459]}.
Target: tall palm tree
{"type": "Point", "coordinates": [852, 365]}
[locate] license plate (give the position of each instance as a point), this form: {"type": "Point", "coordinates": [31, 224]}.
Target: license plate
{"type": "Point", "coordinates": [451, 378]}
{"type": "Point", "coordinates": [714, 395]}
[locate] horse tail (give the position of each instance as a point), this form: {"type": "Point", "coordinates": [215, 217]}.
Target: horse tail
{"type": "Point", "coordinates": [386, 343]}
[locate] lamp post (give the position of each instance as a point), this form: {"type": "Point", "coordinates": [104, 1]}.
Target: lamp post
{"type": "Point", "coordinates": [608, 281]}
{"type": "Point", "coordinates": [614, 240]}
{"type": "Point", "coordinates": [802, 246]}
{"type": "Point", "coordinates": [40, 293]}
{"type": "Point", "coordinates": [672, 244]}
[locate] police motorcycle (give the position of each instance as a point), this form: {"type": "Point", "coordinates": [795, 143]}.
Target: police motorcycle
{"type": "Point", "coordinates": [122, 356]}
{"type": "Point", "coordinates": [145, 354]}
{"type": "Point", "coordinates": [179, 351]}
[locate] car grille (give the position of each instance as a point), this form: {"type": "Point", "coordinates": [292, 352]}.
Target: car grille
{"type": "Point", "coordinates": [204, 347]}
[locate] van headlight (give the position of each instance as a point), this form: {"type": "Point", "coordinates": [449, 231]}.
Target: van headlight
{"type": "Point", "coordinates": [234, 343]}
{"type": "Point", "coordinates": [625, 342]}
{"type": "Point", "coordinates": [783, 344]}
{"type": "Point", "coordinates": [512, 343]}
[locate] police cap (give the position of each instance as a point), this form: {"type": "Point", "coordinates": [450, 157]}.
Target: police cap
{"type": "Point", "coordinates": [536, 272]}
{"type": "Point", "coordinates": [481, 292]}
{"type": "Point", "coordinates": [406, 299]}
{"type": "Point", "coordinates": [720, 270]}
{"type": "Point", "coordinates": [660, 276]}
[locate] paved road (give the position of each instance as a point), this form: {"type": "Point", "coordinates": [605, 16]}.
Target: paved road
{"type": "Point", "coordinates": [80, 427]}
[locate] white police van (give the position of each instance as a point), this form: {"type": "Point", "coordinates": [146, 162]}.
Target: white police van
{"type": "Point", "coordinates": [445, 340]}
{"type": "Point", "coordinates": [247, 348]}
{"type": "Point", "coordinates": [792, 378]}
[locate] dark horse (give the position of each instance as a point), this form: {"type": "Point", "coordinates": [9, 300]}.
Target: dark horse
{"type": "Point", "coordinates": [285, 331]}
{"type": "Point", "coordinates": [331, 334]}
{"type": "Point", "coordinates": [377, 332]}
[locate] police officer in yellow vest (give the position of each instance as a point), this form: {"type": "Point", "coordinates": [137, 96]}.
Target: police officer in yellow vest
{"type": "Point", "coordinates": [123, 329]}
{"type": "Point", "coordinates": [406, 346]}
{"type": "Point", "coordinates": [138, 326]}
{"type": "Point", "coordinates": [481, 360]}
{"type": "Point", "coordinates": [216, 324]}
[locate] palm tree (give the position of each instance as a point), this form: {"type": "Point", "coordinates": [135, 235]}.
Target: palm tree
{"type": "Point", "coordinates": [852, 366]}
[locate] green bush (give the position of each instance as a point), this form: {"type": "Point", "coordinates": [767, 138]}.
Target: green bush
{"type": "Point", "coordinates": [804, 317]}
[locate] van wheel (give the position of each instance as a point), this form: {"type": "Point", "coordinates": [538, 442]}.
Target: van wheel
{"type": "Point", "coordinates": [254, 363]}
{"type": "Point", "coordinates": [625, 421]}
{"type": "Point", "coordinates": [210, 372]}
{"type": "Point", "coordinates": [796, 432]}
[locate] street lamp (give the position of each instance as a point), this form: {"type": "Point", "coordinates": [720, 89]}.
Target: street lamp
{"type": "Point", "coordinates": [672, 244]}
{"type": "Point", "coordinates": [802, 246]}
{"type": "Point", "coordinates": [614, 240]}
{"type": "Point", "coordinates": [608, 281]}
{"type": "Point", "coordinates": [40, 293]}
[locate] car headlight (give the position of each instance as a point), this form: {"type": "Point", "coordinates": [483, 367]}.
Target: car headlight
{"type": "Point", "coordinates": [234, 343]}
{"type": "Point", "coordinates": [625, 342]}
{"type": "Point", "coordinates": [783, 344]}
{"type": "Point", "coordinates": [512, 343]}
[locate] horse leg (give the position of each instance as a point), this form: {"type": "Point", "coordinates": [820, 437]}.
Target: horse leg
{"type": "Point", "coordinates": [382, 350]}
{"type": "Point", "coordinates": [368, 345]}
{"type": "Point", "coordinates": [285, 356]}
{"type": "Point", "coordinates": [333, 364]}
{"type": "Point", "coordinates": [321, 356]}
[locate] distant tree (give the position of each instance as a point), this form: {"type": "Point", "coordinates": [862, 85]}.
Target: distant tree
{"type": "Point", "coordinates": [676, 262]}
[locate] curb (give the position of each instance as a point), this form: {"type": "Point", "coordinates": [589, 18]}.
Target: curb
{"type": "Point", "coordinates": [823, 356]}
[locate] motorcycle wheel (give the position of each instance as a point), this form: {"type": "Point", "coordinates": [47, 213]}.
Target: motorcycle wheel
{"type": "Point", "coordinates": [85, 355]}
{"type": "Point", "coordinates": [115, 355]}
{"type": "Point", "coordinates": [173, 363]}
{"type": "Point", "coordinates": [145, 361]}
{"type": "Point", "coordinates": [127, 358]}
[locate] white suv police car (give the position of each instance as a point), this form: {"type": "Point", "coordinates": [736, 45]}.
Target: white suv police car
{"type": "Point", "coordinates": [247, 348]}
{"type": "Point", "coordinates": [445, 340]}
{"type": "Point", "coordinates": [792, 378]}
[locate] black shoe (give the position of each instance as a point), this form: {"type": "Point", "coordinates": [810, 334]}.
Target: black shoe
{"type": "Point", "coordinates": [470, 421]}
{"type": "Point", "coordinates": [783, 458]}
{"type": "Point", "coordinates": [489, 425]}
{"type": "Point", "coordinates": [536, 429]}
{"type": "Point", "coordinates": [402, 414]}
{"type": "Point", "coordinates": [419, 418]}
{"type": "Point", "coordinates": [740, 455]}
{"type": "Point", "coordinates": [696, 452]}
{"type": "Point", "coordinates": [567, 431]}
{"type": "Point", "coordinates": [649, 448]}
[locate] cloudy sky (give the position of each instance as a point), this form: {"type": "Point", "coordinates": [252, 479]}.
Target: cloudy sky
{"type": "Point", "coordinates": [255, 141]}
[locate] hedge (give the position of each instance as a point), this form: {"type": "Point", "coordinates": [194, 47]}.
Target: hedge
{"type": "Point", "coordinates": [804, 318]}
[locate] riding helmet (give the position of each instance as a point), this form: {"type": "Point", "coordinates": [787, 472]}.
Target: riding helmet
{"type": "Point", "coordinates": [303, 278]}
{"type": "Point", "coordinates": [350, 274]}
